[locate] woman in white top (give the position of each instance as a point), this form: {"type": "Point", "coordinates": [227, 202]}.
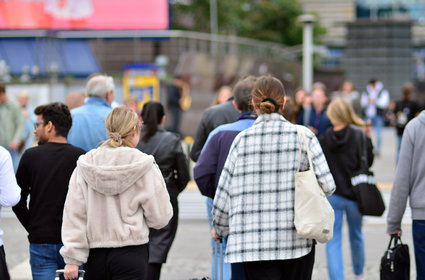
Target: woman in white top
{"type": "Point", "coordinates": [116, 193]}
{"type": "Point", "coordinates": [254, 202]}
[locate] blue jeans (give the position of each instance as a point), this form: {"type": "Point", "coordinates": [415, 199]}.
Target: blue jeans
{"type": "Point", "coordinates": [45, 260]}
{"type": "Point", "coordinates": [334, 247]}
{"type": "Point", "coordinates": [377, 124]}
{"type": "Point", "coordinates": [226, 266]}
{"type": "Point", "coordinates": [418, 230]}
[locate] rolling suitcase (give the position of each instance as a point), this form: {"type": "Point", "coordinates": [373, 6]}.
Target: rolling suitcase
{"type": "Point", "coordinates": [218, 255]}
{"type": "Point", "coordinates": [59, 274]}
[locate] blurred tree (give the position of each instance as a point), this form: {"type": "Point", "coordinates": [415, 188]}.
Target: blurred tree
{"type": "Point", "coordinates": [269, 20]}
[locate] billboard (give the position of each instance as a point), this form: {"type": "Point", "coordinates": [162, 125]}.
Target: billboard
{"type": "Point", "coordinates": [84, 14]}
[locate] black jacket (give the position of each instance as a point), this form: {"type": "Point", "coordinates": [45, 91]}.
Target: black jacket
{"type": "Point", "coordinates": [211, 118]}
{"type": "Point", "coordinates": [168, 153]}
{"type": "Point", "coordinates": [343, 156]}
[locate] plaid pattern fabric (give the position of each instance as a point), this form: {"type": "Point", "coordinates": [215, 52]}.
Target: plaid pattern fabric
{"type": "Point", "coordinates": [254, 203]}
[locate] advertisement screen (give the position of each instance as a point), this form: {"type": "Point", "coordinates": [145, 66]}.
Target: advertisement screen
{"type": "Point", "coordinates": [84, 14]}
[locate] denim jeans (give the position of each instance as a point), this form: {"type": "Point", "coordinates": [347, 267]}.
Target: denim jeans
{"type": "Point", "coordinates": [226, 266]}
{"type": "Point", "coordinates": [334, 247]}
{"type": "Point", "coordinates": [378, 124]}
{"type": "Point", "coordinates": [418, 230]}
{"type": "Point", "coordinates": [45, 260]}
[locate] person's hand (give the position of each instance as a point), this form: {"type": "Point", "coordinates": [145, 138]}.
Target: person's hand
{"type": "Point", "coordinates": [13, 146]}
{"type": "Point", "coordinates": [367, 129]}
{"type": "Point", "coordinates": [214, 236]}
{"type": "Point", "coordinates": [70, 271]}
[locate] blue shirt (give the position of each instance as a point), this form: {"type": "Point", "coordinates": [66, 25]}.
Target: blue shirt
{"type": "Point", "coordinates": [214, 154]}
{"type": "Point", "coordinates": [88, 129]}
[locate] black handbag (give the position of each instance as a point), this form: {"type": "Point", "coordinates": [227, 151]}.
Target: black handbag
{"type": "Point", "coordinates": [367, 194]}
{"type": "Point", "coordinates": [395, 264]}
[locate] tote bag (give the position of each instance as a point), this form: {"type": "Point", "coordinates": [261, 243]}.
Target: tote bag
{"type": "Point", "coordinates": [314, 216]}
{"type": "Point", "coordinates": [367, 194]}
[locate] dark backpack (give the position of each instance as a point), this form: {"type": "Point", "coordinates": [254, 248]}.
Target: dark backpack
{"type": "Point", "coordinates": [395, 264]}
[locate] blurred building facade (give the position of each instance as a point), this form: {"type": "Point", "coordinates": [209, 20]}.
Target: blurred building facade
{"type": "Point", "coordinates": [384, 39]}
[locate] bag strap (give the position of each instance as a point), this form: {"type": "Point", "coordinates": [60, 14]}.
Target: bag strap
{"type": "Point", "coordinates": [396, 239]}
{"type": "Point", "coordinates": [362, 149]}
{"type": "Point", "coordinates": [301, 144]}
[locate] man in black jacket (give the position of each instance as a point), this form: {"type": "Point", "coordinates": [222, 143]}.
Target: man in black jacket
{"type": "Point", "coordinates": [211, 118]}
{"type": "Point", "coordinates": [44, 174]}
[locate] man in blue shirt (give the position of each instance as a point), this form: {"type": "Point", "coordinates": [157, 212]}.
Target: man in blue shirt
{"type": "Point", "coordinates": [214, 154]}
{"type": "Point", "coordinates": [88, 121]}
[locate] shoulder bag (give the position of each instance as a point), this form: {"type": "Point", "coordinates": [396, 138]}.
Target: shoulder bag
{"type": "Point", "coordinates": [314, 216]}
{"type": "Point", "coordinates": [363, 181]}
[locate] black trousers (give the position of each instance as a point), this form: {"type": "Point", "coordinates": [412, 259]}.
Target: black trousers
{"type": "Point", "coordinates": [295, 269]}
{"type": "Point", "coordinates": [125, 263]}
{"type": "Point", "coordinates": [4, 274]}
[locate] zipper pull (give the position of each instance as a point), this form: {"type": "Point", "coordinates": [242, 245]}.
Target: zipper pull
{"type": "Point", "coordinates": [392, 266]}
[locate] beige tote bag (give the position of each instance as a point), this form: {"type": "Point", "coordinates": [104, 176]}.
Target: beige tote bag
{"type": "Point", "coordinates": [314, 216]}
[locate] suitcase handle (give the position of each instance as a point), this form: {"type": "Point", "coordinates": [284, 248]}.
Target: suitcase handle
{"type": "Point", "coordinates": [60, 272]}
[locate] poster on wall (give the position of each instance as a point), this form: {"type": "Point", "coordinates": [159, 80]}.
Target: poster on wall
{"type": "Point", "coordinates": [84, 14]}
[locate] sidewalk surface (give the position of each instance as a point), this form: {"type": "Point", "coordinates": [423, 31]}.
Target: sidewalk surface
{"type": "Point", "coordinates": [190, 255]}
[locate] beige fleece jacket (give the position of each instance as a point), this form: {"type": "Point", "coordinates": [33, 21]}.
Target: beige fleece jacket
{"type": "Point", "coordinates": [115, 195]}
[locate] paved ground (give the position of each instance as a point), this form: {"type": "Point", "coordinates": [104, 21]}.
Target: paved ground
{"type": "Point", "coordinates": [190, 254]}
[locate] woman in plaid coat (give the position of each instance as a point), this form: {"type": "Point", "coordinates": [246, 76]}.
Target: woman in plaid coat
{"type": "Point", "coordinates": [254, 203]}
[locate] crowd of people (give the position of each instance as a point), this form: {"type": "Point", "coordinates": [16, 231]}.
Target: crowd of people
{"type": "Point", "coordinates": [123, 165]}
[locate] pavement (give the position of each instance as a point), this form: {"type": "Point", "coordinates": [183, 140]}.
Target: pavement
{"type": "Point", "coordinates": [190, 255]}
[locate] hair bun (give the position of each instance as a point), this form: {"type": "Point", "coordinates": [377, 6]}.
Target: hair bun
{"type": "Point", "coordinates": [116, 137]}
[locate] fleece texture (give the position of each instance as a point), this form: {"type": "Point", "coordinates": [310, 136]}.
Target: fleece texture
{"type": "Point", "coordinates": [115, 195]}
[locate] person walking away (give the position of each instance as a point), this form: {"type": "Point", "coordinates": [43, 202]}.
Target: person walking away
{"type": "Point", "coordinates": [404, 110]}
{"type": "Point", "coordinates": [375, 101]}
{"type": "Point", "coordinates": [340, 145]}
{"type": "Point", "coordinates": [409, 183]}
{"type": "Point", "coordinates": [116, 193]}
{"type": "Point", "coordinates": [348, 93]}
{"type": "Point", "coordinates": [213, 156]}
{"type": "Point", "coordinates": [88, 128]}
{"type": "Point", "coordinates": [315, 117]}
{"type": "Point", "coordinates": [176, 91]}
{"type": "Point", "coordinates": [254, 202]}
{"type": "Point", "coordinates": [11, 126]}
{"type": "Point", "coordinates": [9, 196]}
{"type": "Point", "coordinates": [43, 175]}
{"type": "Point", "coordinates": [211, 118]}
{"type": "Point", "coordinates": [166, 148]}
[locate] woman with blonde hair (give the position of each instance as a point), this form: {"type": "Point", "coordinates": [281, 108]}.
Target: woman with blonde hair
{"type": "Point", "coordinates": [116, 193]}
{"type": "Point", "coordinates": [254, 202]}
{"type": "Point", "coordinates": [341, 147]}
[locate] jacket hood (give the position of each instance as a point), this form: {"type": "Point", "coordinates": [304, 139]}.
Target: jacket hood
{"type": "Point", "coordinates": [338, 140]}
{"type": "Point", "coordinates": [111, 171]}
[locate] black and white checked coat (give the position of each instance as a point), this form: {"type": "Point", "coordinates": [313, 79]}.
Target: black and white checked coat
{"type": "Point", "coordinates": [254, 202]}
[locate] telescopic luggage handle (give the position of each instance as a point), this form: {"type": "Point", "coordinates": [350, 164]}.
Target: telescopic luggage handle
{"type": "Point", "coordinates": [60, 272]}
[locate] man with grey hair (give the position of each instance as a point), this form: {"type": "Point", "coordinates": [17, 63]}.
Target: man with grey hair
{"type": "Point", "coordinates": [88, 121]}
